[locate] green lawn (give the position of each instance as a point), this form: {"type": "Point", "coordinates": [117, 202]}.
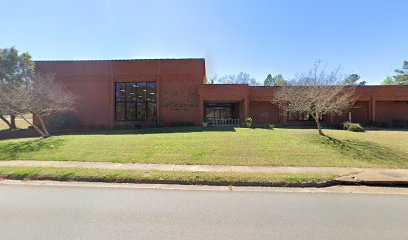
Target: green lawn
{"type": "Point", "coordinates": [128, 176]}
{"type": "Point", "coordinates": [225, 146]}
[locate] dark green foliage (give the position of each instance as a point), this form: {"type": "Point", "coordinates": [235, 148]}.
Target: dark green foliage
{"type": "Point", "coordinates": [248, 120]}
{"type": "Point", "coordinates": [14, 67]}
{"type": "Point", "coordinates": [61, 121]}
{"type": "Point", "coordinates": [277, 80]}
{"type": "Point", "coordinates": [402, 75]}
{"type": "Point", "coordinates": [352, 80]}
{"type": "Point", "coordinates": [15, 70]}
{"type": "Point", "coordinates": [269, 81]}
{"type": "Point", "coordinates": [388, 81]}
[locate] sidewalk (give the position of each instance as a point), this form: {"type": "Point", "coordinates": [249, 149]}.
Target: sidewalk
{"type": "Point", "coordinates": [347, 175]}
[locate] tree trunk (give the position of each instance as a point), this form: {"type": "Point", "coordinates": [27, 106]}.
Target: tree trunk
{"type": "Point", "coordinates": [43, 126]}
{"type": "Point", "coordinates": [12, 121]}
{"type": "Point", "coordinates": [319, 128]}
{"type": "Point", "coordinates": [35, 127]}
{"type": "Point", "coordinates": [6, 121]}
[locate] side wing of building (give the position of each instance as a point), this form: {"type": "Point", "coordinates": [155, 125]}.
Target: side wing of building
{"type": "Point", "coordinates": [138, 93]}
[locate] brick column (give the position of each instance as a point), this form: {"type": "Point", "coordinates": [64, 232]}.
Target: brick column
{"type": "Point", "coordinates": [158, 97]}
{"type": "Point", "coordinates": [373, 109]}
{"type": "Point", "coordinates": [201, 108]}
{"type": "Point", "coordinates": [111, 95]}
{"type": "Point", "coordinates": [246, 107]}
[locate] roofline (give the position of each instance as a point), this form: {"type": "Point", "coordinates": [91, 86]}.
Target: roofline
{"type": "Point", "coordinates": [114, 60]}
{"type": "Point", "coordinates": [341, 85]}
{"type": "Point", "coordinates": [229, 84]}
{"type": "Point", "coordinates": [243, 84]}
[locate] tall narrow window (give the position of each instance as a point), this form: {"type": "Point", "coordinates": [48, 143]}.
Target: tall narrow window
{"type": "Point", "coordinates": [135, 101]}
{"type": "Point", "coordinates": [151, 100]}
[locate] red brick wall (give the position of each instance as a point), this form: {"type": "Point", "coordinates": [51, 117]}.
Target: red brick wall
{"type": "Point", "coordinates": [389, 103]}
{"type": "Point", "coordinates": [93, 81]}
{"type": "Point", "coordinates": [359, 113]}
{"type": "Point", "coordinates": [90, 81]}
{"type": "Point", "coordinates": [390, 110]}
{"type": "Point", "coordinates": [224, 92]}
{"type": "Point", "coordinates": [182, 89]}
{"type": "Point", "coordinates": [263, 112]}
{"type": "Point", "coordinates": [382, 92]}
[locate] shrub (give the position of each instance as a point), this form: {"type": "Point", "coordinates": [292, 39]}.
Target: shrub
{"type": "Point", "coordinates": [205, 122]}
{"type": "Point", "coordinates": [346, 125]}
{"type": "Point", "coordinates": [271, 126]}
{"type": "Point", "coordinates": [354, 127]}
{"type": "Point", "coordinates": [248, 121]}
{"type": "Point", "coordinates": [61, 121]}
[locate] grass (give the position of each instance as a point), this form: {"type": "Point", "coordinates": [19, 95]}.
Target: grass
{"type": "Point", "coordinates": [128, 176]}
{"type": "Point", "coordinates": [220, 146]}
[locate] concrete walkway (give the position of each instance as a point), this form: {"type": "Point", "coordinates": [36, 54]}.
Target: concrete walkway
{"type": "Point", "coordinates": [352, 175]}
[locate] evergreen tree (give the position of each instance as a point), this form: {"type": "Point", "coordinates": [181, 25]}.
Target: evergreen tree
{"type": "Point", "coordinates": [352, 80]}
{"type": "Point", "coordinates": [269, 81]}
{"type": "Point", "coordinates": [402, 75]}
{"type": "Point", "coordinates": [15, 69]}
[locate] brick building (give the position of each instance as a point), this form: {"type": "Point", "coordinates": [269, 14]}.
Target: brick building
{"type": "Point", "coordinates": [174, 92]}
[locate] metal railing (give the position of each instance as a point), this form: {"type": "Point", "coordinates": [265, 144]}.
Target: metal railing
{"type": "Point", "coordinates": [225, 122]}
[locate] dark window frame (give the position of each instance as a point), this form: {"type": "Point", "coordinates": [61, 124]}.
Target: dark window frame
{"type": "Point", "coordinates": [145, 101]}
{"type": "Point", "coordinates": [300, 117]}
{"type": "Point", "coordinates": [228, 108]}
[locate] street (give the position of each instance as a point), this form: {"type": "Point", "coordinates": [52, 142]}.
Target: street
{"type": "Point", "coordinates": [50, 212]}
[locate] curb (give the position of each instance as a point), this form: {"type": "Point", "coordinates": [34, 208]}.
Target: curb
{"type": "Point", "coordinates": [399, 184]}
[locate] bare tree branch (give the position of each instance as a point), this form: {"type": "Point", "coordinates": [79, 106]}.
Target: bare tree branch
{"type": "Point", "coordinates": [42, 96]}
{"type": "Point", "coordinates": [316, 93]}
{"type": "Point", "coordinates": [241, 78]}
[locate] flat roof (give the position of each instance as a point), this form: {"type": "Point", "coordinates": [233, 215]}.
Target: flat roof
{"type": "Point", "coordinates": [130, 59]}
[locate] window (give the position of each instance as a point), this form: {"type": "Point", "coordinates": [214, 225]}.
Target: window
{"type": "Point", "coordinates": [299, 116]}
{"type": "Point", "coordinates": [219, 111]}
{"type": "Point", "coordinates": [135, 101]}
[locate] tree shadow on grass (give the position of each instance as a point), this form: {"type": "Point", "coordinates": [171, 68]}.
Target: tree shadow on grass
{"type": "Point", "coordinates": [370, 152]}
{"type": "Point", "coordinates": [12, 151]}
{"type": "Point", "coordinates": [18, 133]}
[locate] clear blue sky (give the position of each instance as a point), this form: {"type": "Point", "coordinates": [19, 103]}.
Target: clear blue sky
{"type": "Point", "coordinates": [369, 38]}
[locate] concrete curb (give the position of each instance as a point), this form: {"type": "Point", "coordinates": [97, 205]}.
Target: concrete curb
{"type": "Point", "coordinates": [182, 182]}
{"type": "Point", "coordinates": [312, 184]}
{"type": "Point", "coordinates": [333, 189]}
{"type": "Point", "coordinates": [349, 176]}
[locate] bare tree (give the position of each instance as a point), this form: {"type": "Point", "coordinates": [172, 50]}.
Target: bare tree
{"type": "Point", "coordinates": [241, 78]}
{"type": "Point", "coordinates": [316, 93]}
{"type": "Point", "coordinates": [11, 98]}
{"type": "Point", "coordinates": [42, 96]}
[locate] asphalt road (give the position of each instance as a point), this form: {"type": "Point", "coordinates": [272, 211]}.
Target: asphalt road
{"type": "Point", "coordinates": [46, 212]}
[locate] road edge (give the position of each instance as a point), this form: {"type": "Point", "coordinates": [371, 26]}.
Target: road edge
{"type": "Point", "coordinates": [345, 189]}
